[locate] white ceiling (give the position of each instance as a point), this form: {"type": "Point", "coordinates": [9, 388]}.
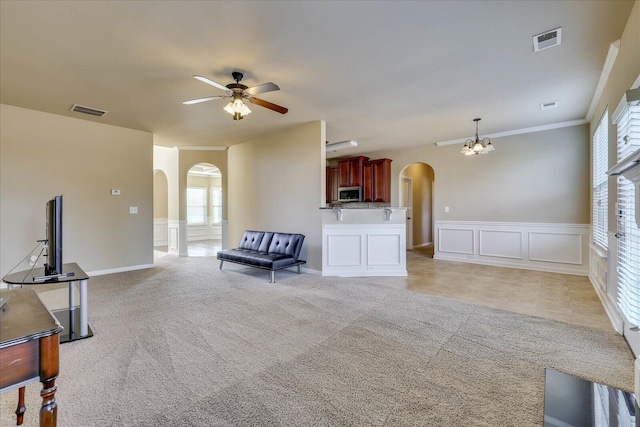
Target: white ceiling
{"type": "Point", "coordinates": [386, 73]}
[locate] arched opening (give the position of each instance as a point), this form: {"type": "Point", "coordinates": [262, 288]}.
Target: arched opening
{"type": "Point", "coordinates": [160, 211]}
{"type": "Point", "coordinates": [416, 192]}
{"type": "Point", "coordinates": [204, 210]}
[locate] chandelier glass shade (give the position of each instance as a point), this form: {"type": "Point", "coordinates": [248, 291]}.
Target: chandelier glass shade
{"type": "Point", "coordinates": [477, 146]}
{"type": "Point", "coordinates": [237, 108]}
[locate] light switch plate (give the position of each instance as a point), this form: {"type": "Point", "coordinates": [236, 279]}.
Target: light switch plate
{"type": "Point", "coordinates": [115, 192]}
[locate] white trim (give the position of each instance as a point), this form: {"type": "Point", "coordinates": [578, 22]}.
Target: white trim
{"type": "Point", "coordinates": [195, 148]}
{"type": "Point", "coordinates": [517, 224]}
{"type": "Point", "coordinates": [358, 250]}
{"type": "Point", "coordinates": [510, 244]}
{"type": "Point", "coordinates": [579, 258]}
{"type": "Point", "coordinates": [119, 269]}
{"type": "Point", "coordinates": [422, 245]}
{"type": "Point", "coordinates": [614, 48]}
{"type": "Point", "coordinates": [609, 307]}
{"type": "Point", "coordinates": [519, 131]}
{"type": "Point", "coordinates": [311, 271]}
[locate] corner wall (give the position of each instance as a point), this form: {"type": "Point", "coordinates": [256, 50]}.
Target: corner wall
{"type": "Point", "coordinates": [277, 183]}
{"type": "Point", "coordinates": [43, 155]}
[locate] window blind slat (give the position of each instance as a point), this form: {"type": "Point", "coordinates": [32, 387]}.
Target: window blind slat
{"type": "Point", "coordinates": [600, 182]}
{"type": "Point", "coordinates": [628, 268]}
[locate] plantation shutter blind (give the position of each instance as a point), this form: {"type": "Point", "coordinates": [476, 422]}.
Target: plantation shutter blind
{"type": "Point", "coordinates": [628, 142]}
{"type": "Point", "coordinates": [600, 191]}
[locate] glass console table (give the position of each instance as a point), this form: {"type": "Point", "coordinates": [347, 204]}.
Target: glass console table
{"type": "Point", "coordinates": [572, 401]}
{"type": "Point", "coordinates": [75, 327]}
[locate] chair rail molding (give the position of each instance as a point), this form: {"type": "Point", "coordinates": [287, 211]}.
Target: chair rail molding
{"type": "Point", "coordinates": [553, 247]}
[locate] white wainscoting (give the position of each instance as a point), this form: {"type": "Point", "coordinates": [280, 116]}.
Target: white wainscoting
{"type": "Point", "coordinates": [160, 232]}
{"type": "Point", "coordinates": [208, 231]}
{"type": "Point", "coordinates": [350, 250]}
{"type": "Point", "coordinates": [560, 248]}
{"type": "Point", "coordinates": [603, 277]}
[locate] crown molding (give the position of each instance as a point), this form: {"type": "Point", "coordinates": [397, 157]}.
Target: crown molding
{"type": "Point", "coordinates": [194, 148]}
{"type": "Point", "coordinates": [614, 48]}
{"type": "Point", "coordinates": [520, 131]}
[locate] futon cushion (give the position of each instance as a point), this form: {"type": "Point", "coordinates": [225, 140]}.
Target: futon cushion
{"type": "Point", "coordinates": [251, 240]}
{"type": "Point", "coordinates": [260, 259]}
{"type": "Point", "coordinates": [284, 243]}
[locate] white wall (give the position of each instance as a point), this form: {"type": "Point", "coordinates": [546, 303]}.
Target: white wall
{"type": "Point", "coordinates": [277, 183]}
{"type": "Point", "coordinates": [42, 155]}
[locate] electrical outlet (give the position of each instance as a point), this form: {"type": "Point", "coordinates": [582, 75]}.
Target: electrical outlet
{"type": "Point", "coordinates": [133, 209]}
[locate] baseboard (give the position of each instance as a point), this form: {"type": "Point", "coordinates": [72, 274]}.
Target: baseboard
{"type": "Point", "coordinates": [120, 269]}
{"type": "Point", "coordinates": [550, 269]}
{"type": "Point", "coordinates": [311, 271]}
{"type": "Point", "coordinates": [609, 307]}
{"type": "Point", "coordinates": [361, 273]}
{"type": "Point", "coordinates": [423, 245]}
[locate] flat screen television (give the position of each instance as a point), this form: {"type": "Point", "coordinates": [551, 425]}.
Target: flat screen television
{"type": "Point", "coordinates": [53, 265]}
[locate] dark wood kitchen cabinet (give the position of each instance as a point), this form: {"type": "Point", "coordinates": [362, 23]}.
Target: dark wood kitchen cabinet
{"type": "Point", "coordinates": [332, 184]}
{"type": "Point", "coordinates": [367, 179]}
{"type": "Point", "coordinates": [350, 171]}
{"type": "Point", "coordinates": [377, 188]}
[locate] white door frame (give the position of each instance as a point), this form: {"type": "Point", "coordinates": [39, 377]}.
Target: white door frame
{"type": "Point", "coordinates": [406, 200]}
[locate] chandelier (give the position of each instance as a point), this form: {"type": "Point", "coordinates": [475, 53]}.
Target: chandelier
{"type": "Point", "coordinates": [479, 146]}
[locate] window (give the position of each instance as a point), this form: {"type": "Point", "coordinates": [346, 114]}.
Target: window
{"type": "Point", "coordinates": [600, 193]}
{"type": "Point", "coordinates": [196, 205]}
{"type": "Point", "coordinates": [216, 205]}
{"type": "Point", "coordinates": [628, 233]}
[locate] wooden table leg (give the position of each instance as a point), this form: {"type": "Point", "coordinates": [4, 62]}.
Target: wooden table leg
{"type": "Point", "coordinates": [21, 408]}
{"type": "Point", "coordinates": [49, 363]}
{"type": "Point", "coordinates": [49, 409]}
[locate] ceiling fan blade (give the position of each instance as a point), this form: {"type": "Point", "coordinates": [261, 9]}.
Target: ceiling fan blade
{"type": "Point", "coordinates": [269, 105]}
{"type": "Point", "coordinates": [212, 83]}
{"type": "Point", "coordinates": [199, 100]}
{"type": "Point", "coordinates": [265, 87]}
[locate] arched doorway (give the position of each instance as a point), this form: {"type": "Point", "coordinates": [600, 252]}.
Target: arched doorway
{"type": "Point", "coordinates": [160, 211]}
{"type": "Point", "coordinates": [204, 210]}
{"type": "Point", "coordinates": [416, 192]}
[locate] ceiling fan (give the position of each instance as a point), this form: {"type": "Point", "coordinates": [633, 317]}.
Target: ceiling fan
{"type": "Point", "coordinates": [238, 92]}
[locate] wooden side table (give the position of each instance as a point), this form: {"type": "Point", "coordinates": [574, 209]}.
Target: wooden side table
{"type": "Point", "coordinates": [29, 342]}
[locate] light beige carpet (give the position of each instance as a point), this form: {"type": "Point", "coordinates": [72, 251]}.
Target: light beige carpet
{"type": "Point", "coordinates": [184, 344]}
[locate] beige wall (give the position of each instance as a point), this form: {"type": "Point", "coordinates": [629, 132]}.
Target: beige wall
{"type": "Point", "coordinates": [422, 183]}
{"type": "Point", "coordinates": [42, 155]}
{"type": "Point", "coordinates": [535, 177]}
{"type": "Point", "coordinates": [277, 183]}
{"type": "Point", "coordinates": [160, 195]}
{"type": "Point", "coordinates": [166, 160]}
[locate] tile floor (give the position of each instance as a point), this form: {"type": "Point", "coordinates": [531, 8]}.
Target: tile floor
{"type": "Point", "coordinates": [562, 297]}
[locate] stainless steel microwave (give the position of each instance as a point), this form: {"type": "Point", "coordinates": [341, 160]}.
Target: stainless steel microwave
{"type": "Point", "coordinates": [350, 194]}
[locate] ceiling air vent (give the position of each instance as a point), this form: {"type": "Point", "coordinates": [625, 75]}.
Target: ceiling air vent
{"type": "Point", "coordinates": [547, 39]}
{"type": "Point", "coordinates": [549, 105]}
{"type": "Point", "coordinates": [88, 110]}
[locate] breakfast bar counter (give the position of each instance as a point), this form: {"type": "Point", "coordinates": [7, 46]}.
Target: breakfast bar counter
{"type": "Point", "coordinates": [364, 241]}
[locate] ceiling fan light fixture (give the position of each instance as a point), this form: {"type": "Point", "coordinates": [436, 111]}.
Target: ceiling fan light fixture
{"type": "Point", "coordinates": [237, 109]}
